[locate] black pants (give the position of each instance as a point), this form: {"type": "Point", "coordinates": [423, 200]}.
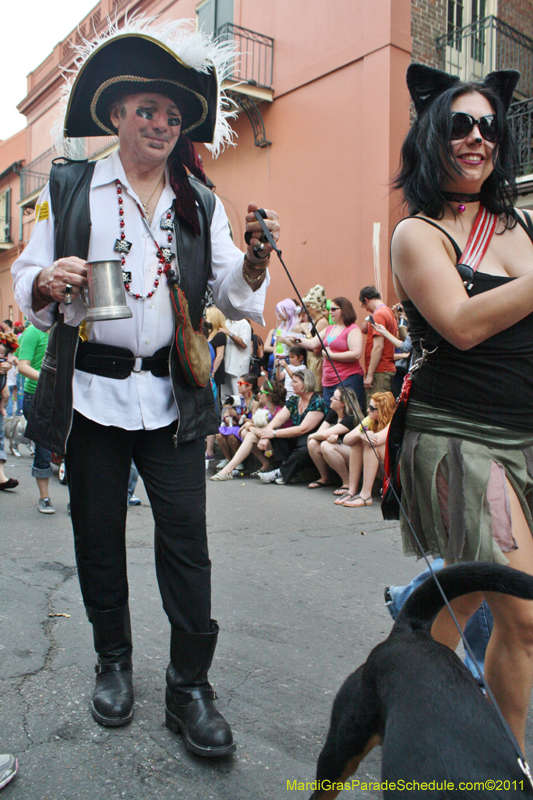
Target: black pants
{"type": "Point", "coordinates": [293, 455]}
{"type": "Point", "coordinates": [98, 466]}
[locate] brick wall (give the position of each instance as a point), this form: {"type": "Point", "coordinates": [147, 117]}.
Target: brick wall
{"type": "Point", "coordinates": [518, 14]}
{"type": "Point", "coordinates": [428, 20]}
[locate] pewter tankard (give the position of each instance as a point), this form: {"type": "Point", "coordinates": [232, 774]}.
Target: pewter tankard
{"type": "Point", "coordinates": [105, 296]}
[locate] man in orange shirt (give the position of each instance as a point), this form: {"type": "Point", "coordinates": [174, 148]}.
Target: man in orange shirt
{"type": "Point", "coordinates": [380, 368]}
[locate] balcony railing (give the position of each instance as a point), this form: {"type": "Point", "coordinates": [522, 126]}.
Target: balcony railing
{"type": "Point", "coordinates": [34, 176]}
{"type": "Point", "coordinates": [254, 62]}
{"type": "Point", "coordinates": [521, 122]}
{"type": "Point", "coordinates": [486, 45]}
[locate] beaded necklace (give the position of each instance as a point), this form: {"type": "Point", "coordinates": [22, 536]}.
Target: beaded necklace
{"type": "Point", "coordinates": [123, 247]}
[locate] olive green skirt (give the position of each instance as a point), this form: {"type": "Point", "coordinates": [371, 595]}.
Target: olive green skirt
{"type": "Point", "coordinates": [454, 490]}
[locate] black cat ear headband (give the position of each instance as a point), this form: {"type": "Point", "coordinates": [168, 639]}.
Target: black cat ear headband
{"type": "Point", "coordinates": [426, 83]}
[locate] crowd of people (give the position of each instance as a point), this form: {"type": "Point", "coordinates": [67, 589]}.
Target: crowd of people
{"type": "Point", "coordinates": [309, 376]}
{"type": "Point", "coordinates": [302, 415]}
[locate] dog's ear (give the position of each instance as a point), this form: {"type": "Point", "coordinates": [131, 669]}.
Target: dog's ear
{"type": "Point", "coordinates": [426, 83]}
{"type": "Point", "coordinates": [503, 83]}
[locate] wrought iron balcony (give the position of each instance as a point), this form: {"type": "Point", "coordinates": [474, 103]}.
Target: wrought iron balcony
{"type": "Point", "coordinates": [250, 82]}
{"type": "Point", "coordinates": [254, 62]}
{"type": "Point", "coordinates": [486, 45]}
{"type": "Point", "coordinates": [521, 122]}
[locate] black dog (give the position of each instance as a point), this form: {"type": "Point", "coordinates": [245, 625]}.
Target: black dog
{"type": "Point", "coordinates": [416, 698]}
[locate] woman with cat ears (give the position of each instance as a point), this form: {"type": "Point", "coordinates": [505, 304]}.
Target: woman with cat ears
{"type": "Point", "coordinates": [463, 269]}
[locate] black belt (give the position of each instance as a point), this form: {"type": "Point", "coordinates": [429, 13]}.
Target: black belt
{"type": "Point", "coordinates": [119, 362]}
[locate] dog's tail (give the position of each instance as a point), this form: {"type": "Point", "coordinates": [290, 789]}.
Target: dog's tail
{"type": "Point", "coordinates": [421, 608]}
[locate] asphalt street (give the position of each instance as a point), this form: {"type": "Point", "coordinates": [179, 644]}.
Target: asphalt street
{"type": "Point", "coordinates": [298, 594]}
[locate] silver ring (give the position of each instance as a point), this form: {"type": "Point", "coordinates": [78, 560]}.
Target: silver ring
{"type": "Point", "coordinates": [68, 296]}
{"type": "Point", "coordinates": [259, 247]}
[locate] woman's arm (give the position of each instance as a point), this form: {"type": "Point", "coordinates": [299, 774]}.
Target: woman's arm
{"type": "Point", "coordinates": [322, 433]}
{"type": "Point", "coordinates": [309, 423]}
{"type": "Point", "coordinates": [377, 439]}
{"type": "Point", "coordinates": [309, 344]}
{"type": "Point", "coordinates": [267, 347]}
{"type": "Point", "coordinates": [280, 419]}
{"type": "Point", "coordinates": [219, 357]}
{"type": "Point", "coordinates": [26, 369]}
{"type": "Point", "coordinates": [353, 436]}
{"type": "Point", "coordinates": [382, 330]}
{"type": "Point", "coordinates": [355, 347]}
{"type": "Point", "coordinates": [424, 271]}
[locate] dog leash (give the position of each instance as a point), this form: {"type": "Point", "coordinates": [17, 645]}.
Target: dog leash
{"type": "Point", "coordinates": [477, 244]}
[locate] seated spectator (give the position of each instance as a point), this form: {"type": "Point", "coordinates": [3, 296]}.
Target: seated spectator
{"type": "Point", "coordinates": [326, 446]}
{"type": "Point", "coordinates": [306, 410]}
{"type": "Point", "coordinates": [234, 415]}
{"type": "Point", "coordinates": [363, 459]}
{"type": "Point", "coordinates": [272, 398]}
{"type": "Point", "coordinates": [284, 372]}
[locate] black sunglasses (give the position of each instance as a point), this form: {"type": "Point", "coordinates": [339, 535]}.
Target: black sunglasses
{"type": "Point", "coordinates": [463, 124]}
{"type": "Point", "coordinates": [372, 408]}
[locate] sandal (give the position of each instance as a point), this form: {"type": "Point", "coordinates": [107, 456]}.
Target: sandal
{"type": "Point", "coordinates": [258, 472]}
{"type": "Point", "coordinates": [222, 476]}
{"type": "Point", "coordinates": [317, 485]}
{"type": "Point", "coordinates": [341, 491]}
{"type": "Point", "coordinates": [341, 500]}
{"type": "Point", "coordinates": [358, 502]}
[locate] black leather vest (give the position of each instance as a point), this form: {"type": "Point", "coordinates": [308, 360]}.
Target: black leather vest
{"type": "Point", "coordinates": [51, 414]}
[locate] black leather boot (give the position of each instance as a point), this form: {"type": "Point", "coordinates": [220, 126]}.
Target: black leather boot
{"type": "Point", "coordinates": [112, 703]}
{"type": "Point", "coordinates": [189, 697]}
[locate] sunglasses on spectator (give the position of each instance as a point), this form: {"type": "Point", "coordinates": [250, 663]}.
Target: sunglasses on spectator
{"type": "Point", "coordinates": [334, 308]}
{"type": "Point", "coordinates": [264, 391]}
{"type": "Point", "coordinates": [463, 124]}
{"type": "Point", "coordinates": [373, 408]}
{"type": "Point", "coordinates": [243, 383]}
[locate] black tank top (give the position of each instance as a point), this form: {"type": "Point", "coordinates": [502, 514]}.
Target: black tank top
{"type": "Point", "coordinates": [493, 381]}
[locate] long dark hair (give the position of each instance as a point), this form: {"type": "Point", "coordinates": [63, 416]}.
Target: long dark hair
{"type": "Point", "coordinates": [427, 161]}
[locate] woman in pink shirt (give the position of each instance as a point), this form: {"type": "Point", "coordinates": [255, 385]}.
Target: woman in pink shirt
{"type": "Point", "coordinates": [343, 342]}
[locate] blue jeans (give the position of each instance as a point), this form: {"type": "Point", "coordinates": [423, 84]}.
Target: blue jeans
{"type": "Point", "coordinates": [20, 394]}
{"type": "Point", "coordinates": [478, 628]}
{"type": "Point", "coordinates": [354, 382]}
{"type": "Point", "coordinates": [9, 407]}
{"type": "Point", "coordinates": [42, 467]}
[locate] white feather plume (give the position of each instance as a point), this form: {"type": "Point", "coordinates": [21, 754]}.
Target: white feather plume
{"type": "Point", "coordinates": [195, 48]}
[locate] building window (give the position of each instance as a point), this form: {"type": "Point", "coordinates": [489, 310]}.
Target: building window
{"type": "Point", "coordinates": [211, 15]}
{"type": "Point", "coordinates": [5, 217]}
{"type": "Point", "coordinates": [455, 19]}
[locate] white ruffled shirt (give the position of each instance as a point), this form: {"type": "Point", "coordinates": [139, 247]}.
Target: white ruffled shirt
{"type": "Point", "coordinates": [142, 400]}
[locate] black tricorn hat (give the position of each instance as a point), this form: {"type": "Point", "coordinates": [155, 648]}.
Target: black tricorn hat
{"type": "Point", "coordinates": [426, 83]}
{"type": "Point", "coordinates": [134, 63]}
{"type": "Point", "coordinates": [169, 58]}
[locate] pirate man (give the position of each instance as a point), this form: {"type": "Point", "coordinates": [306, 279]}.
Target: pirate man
{"type": "Point", "coordinates": [115, 390]}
